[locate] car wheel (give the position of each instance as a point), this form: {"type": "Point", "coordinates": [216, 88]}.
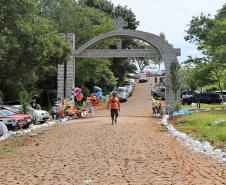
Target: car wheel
{"type": "Point", "coordinates": [42, 122]}
{"type": "Point", "coordinates": [155, 96]}
{"type": "Point", "coordinates": [25, 126]}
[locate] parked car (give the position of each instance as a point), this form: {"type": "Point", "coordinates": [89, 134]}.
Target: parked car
{"type": "Point", "coordinates": [158, 92]}
{"type": "Point", "coordinates": [143, 78]}
{"type": "Point", "coordinates": [14, 102]}
{"type": "Point", "coordinates": [132, 81]}
{"type": "Point", "coordinates": [40, 116]}
{"type": "Point", "coordinates": [137, 75]}
{"type": "Point", "coordinates": [122, 94]}
{"type": "Point", "coordinates": [128, 83]}
{"type": "Point", "coordinates": [223, 94]}
{"type": "Point", "coordinates": [129, 88]}
{"type": "Point", "coordinates": [202, 98]}
{"type": "Point", "coordinates": [131, 75]}
{"type": "Point", "coordinates": [161, 73]}
{"type": "Point", "coordinates": [186, 94]}
{"type": "Point", "coordinates": [12, 119]}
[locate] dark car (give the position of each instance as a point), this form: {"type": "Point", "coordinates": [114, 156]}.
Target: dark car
{"type": "Point", "coordinates": [202, 98]}
{"type": "Point", "coordinates": [14, 102]}
{"type": "Point", "coordinates": [158, 92]}
{"type": "Point", "coordinates": [223, 94]}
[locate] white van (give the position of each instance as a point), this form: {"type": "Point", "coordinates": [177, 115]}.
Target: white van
{"type": "Point", "coordinates": [143, 78]}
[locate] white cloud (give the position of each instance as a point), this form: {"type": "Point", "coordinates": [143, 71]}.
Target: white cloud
{"type": "Point", "coordinates": [170, 17]}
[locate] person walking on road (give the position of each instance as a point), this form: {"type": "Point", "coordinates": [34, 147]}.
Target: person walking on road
{"type": "Point", "coordinates": [114, 105]}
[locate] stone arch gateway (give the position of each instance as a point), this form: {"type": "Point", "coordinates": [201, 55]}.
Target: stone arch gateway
{"type": "Point", "coordinates": [162, 49]}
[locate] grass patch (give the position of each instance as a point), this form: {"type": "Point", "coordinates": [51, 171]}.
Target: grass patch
{"type": "Point", "coordinates": [200, 126]}
{"type": "Point", "coordinates": [205, 106]}
{"type": "Point", "coordinates": [8, 147]}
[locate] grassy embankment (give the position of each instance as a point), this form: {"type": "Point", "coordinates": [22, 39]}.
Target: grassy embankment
{"type": "Point", "coordinates": [205, 106]}
{"type": "Point", "coordinates": [204, 126]}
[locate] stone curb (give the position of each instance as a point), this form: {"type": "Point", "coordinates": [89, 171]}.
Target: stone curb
{"type": "Point", "coordinates": [203, 147]}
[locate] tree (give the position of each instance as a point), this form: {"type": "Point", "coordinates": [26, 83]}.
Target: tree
{"type": "Point", "coordinates": [195, 74]}
{"type": "Point", "coordinates": [142, 63]}
{"type": "Point", "coordinates": [103, 5]}
{"type": "Point", "coordinates": [70, 17]}
{"type": "Point", "coordinates": [30, 41]}
{"type": "Point", "coordinates": [25, 98]}
{"type": "Point", "coordinates": [217, 74]}
{"type": "Point", "coordinates": [209, 34]}
{"type": "Point", "coordinates": [98, 73]}
{"type": "Point", "coordinates": [86, 22]}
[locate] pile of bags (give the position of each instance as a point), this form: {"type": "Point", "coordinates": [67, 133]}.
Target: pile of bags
{"type": "Point", "coordinates": [4, 133]}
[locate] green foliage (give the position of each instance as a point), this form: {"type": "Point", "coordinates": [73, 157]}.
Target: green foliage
{"type": "Point", "coordinates": [210, 35]}
{"type": "Point", "coordinates": [30, 41]}
{"type": "Point", "coordinates": [205, 106]}
{"type": "Point", "coordinates": [31, 46]}
{"type": "Point", "coordinates": [98, 73]}
{"type": "Point", "coordinates": [195, 74]}
{"type": "Point", "coordinates": [103, 5]}
{"type": "Point", "coordinates": [70, 17]}
{"type": "Point", "coordinates": [199, 126]}
{"type": "Point", "coordinates": [25, 99]}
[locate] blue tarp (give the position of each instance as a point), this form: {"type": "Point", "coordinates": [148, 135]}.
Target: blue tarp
{"type": "Point", "coordinates": [181, 112]}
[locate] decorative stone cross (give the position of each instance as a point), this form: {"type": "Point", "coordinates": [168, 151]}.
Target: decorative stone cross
{"type": "Point", "coordinates": [120, 23]}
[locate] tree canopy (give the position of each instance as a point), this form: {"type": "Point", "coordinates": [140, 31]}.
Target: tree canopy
{"type": "Point", "coordinates": [209, 33]}
{"type": "Point", "coordinates": [31, 45]}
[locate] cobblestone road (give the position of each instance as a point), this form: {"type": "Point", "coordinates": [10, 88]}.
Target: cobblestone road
{"type": "Point", "coordinates": [136, 151]}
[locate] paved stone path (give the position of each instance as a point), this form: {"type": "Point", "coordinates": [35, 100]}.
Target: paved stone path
{"type": "Point", "coordinates": [136, 151]}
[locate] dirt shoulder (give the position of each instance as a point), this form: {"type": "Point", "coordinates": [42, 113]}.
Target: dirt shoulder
{"type": "Point", "coordinates": [136, 151]}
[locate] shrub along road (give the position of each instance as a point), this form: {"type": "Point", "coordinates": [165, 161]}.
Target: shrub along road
{"type": "Point", "coordinates": [137, 151]}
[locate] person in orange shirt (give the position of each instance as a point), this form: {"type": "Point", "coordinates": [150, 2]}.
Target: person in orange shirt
{"type": "Point", "coordinates": [114, 105]}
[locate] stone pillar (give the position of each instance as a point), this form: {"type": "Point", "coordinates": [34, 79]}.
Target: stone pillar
{"type": "Point", "coordinates": [60, 81]}
{"type": "Point", "coordinates": [66, 72]}
{"type": "Point", "coordinates": [170, 96]}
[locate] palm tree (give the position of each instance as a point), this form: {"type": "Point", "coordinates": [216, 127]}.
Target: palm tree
{"type": "Point", "coordinates": [25, 99]}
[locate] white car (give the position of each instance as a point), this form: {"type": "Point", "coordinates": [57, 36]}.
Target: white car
{"type": "Point", "coordinates": [40, 116]}
{"type": "Point", "coordinates": [131, 80]}
{"type": "Point", "coordinates": [143, 78]}
{"type": "Point", "coordinates": [122, 94]}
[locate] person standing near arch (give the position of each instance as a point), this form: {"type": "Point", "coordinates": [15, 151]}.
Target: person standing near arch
{"type": "Point", "coordinates": [114, 105]}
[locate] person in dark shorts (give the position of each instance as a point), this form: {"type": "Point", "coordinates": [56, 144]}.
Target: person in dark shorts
{"type": "Point", "coordinates": [114, 105]}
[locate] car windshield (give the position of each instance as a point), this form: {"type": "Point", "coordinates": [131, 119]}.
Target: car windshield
{"type": "Point", "coordinates": [120, 90]}
{"type": "Point", "coordinates": [121, 93]}
{"type": "Point", "coordinates": [142, 75]}
{"type": "Point", "coordinates": [4, 112]}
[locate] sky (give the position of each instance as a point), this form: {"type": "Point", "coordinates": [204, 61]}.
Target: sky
{"type": "Point", "coordinates": [172, 18]}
